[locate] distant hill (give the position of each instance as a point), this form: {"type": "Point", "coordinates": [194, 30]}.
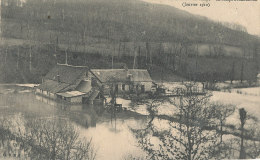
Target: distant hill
{"type": "Point", "coordinates": [114, 20]}
{"type": "Point", "coordinates": [93, 31]}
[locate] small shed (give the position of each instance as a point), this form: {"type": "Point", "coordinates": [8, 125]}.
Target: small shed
{"type": "Point", "coordinates": [72, 96]}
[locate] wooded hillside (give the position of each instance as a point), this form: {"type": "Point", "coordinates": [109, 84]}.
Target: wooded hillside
{"type": "Point", "coordinates": [114, 20]}
{"type": "Point", "coordinates": [162, 38]}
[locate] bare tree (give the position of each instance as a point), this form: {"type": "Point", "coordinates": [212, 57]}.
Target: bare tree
{"type": "Point", "coordinates": [186, 136]}
{"type": "Point", "coordinates": [84, 150]}
{"type": "Point", "coordinates": [222, 111]}
{"type": "Point", "coordinates": [253, 147]}
{"type": "Point", "coordinates": [55, 139]}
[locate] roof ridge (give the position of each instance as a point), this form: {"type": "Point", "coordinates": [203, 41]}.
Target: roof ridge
{"type": "Point", "coordinates": [138, 69]}
{"type": "Point", "coordinates": [119, 69]}
{"type": "Point", "coordinates": [71, 65]}
{"type": "Point", "coordinates": [106, 69]}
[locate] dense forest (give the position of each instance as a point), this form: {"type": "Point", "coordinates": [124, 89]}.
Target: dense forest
{"type": "Point", "coordinates": [36, 34]}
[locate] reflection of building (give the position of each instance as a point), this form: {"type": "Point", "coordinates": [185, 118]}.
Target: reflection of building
{"type": "Point", "coordinates": [82, 114]}
{"type": "Point", "coordinates": [79, 84]}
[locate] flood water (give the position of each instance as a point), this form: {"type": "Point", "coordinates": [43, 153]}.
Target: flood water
{"type": "Point", "coordinates": [111, 137]}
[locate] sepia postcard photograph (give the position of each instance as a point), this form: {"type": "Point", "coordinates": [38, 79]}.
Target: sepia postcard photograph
{"type": "Point", "coordinates": [129, 79]}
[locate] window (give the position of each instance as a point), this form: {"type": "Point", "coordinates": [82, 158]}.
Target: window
{"type": "Point", "coordinates": [123, 87]}
{"type": "Point", "coordinates": [142, 89]}
{"type": "Point", "coordinates": [131, 87]}
{"type": "Point", "coordinates": [116, 88]}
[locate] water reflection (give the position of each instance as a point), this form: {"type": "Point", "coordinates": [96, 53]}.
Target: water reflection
{"type": "Point", "coordinates": [111, 135]}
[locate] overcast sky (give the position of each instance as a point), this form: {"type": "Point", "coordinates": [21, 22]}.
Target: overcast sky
{"type": "Point", "coordinates": [244, 13]}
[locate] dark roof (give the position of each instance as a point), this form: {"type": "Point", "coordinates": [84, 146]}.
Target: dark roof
{"type": "Point", "coordinates": [140, 75]}
{"type": "Point", "coordinates": [67, 73]}
{"type": "Point", "coordinates": [107, 75]}
{"type": "Point", "coordinates": [68, 78]}
{"type": "Point", "coordinates": [52, 86]}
